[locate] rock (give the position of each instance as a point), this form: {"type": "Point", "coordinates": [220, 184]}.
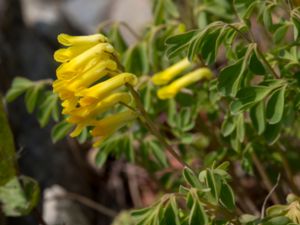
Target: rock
{"type": "Point", "coordinates": [59, 210]}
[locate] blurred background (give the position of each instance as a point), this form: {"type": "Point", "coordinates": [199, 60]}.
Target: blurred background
{"type": "Point", "coordinates": [74, 191]}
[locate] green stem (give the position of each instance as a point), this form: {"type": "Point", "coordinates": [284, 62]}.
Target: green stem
{"type": "Point", "coordinates": [152, 127]}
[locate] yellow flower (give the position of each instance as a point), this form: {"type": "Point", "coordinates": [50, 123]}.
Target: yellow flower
{"type": "Point", "coordinates": [172, 89]}
{"type": "Point", "coordinates": [109, 125]}
{"type": "Point", "coordinates": [101, 107]}
{"type": "Point", "coordinates": [168, 74]}
{"type": "Point", "coordinates": [92, 75]}
{"type": "Point", "coordinates": [68, 40]}
{"type": "Point", "coordinates": [66, 54]}
{"type": "Point", "coordinates": [85, 60]}
{"type": "Point", "coordinates": [87, 83]}
{"type": "Point", "coordinates": [86, 116]}
{"type": "Point", "coordinates": [101, 90]}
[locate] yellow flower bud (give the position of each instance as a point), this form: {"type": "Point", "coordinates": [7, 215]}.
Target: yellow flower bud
{"type": "Point", "coordinates": [172, 89]}
{"type": "Point", "coordinates": [69, 40]}
{"type": "Point", "coordinates": [168, 74]}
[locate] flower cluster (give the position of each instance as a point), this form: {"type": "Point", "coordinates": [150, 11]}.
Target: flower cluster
{"type": "Point", "coordinates": [171, 90]}
{"type": "Point", "coordinates": [88, 84]}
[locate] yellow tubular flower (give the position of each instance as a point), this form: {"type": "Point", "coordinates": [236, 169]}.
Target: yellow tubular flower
{"type": "Point", "coordinates": [66, 54]}
{"type": "Point", "coordinates": [109, 125]}
{"type": "Point", "coordinates": [172, 89]}
{"type": "Point", "coordinates": [83, 61]}
{"type": "Point", "coordinates": [101, 107]}
{"type": "Point", "coordinates": [68, 40]}
{"type": "Point", "coordinates": [168, 74]}
{"type": "Point", "coordinates": [101, 90]}
{"type": "Point", "coordinates": [92, 75]}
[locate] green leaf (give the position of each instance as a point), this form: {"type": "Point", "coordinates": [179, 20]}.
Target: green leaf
{"type": "Point", "coordinates": [19, 86]}
{"type": "Point", "coordinates": [172, 112]}
{"type": "Point", "coordinates": [272, 133]}
{"type": "Point", "coordinates": [228, 126]}
{"type": "Point", "coordinates": [181, 39]}
{"type": "Point", "coordinates": [279, 220]}
{"type": "Point", "coordinates": [198, 215]}
{"type": "Point", "coordinates": [223, 166]}
{"type": "Point", "coordinates": [247, 14]}
{"type": "Point", "coordinates": [275, 106]}
{"type": "Point", "coordinates": [175, 50]}
{"type": "Point", "coordinates": [296, 22]}
{"type": "Point", "coordinates": [143, 52]}
{"type": "Point", "coordinates": [195, 45]}
{"type": "Point", "coordinates": [228, 81]}
{"type": "Point", "coordinates": [247, 218]}
{"type": "Point", "coordinates": [128, 148]}
{"type": "Point", "coordinates": [240, 128]}
{"type": "Point", "coordinates": [191, 178]}
{"type": "Point", "coordinates": [31, 97]}
{"type": "Point", "coordinates": [205, 39]}
{"type": "Point", "coordinates": [158, 153]}
{"type": "Point", "coordinates": [256, 65]}
{"type": "Point", "coordinates": [142, 215]}
{"type": "Point", "coordinates": [235, 142]}
{"type": "Point", "coordinates": [103, 153]}
{"type": "Point", "coordinates": [171, 215]}
{"type": "Point", "coordinates": [276, 210]}
{"type": "Point", "coordinates": [185, 121]}
{"type": "Point", "coordinates": [227, 198]}
{"type": "Point", "coordinates": [47, 108]}
{"type": "Point", "coordinates": [17, 199]}
{"type": "Point", "coordinates": [249, 96]}
{"type": "Point", "coordinates": [60, 130]}
{"type": "Point", "coordinates": [257, 115]}
{"type": "Point", "coordinates": [209, 48]}
{"type": "Point", "coordinates": [280, 33]}
{"type": "Point", "coordinates": [211, 183]}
